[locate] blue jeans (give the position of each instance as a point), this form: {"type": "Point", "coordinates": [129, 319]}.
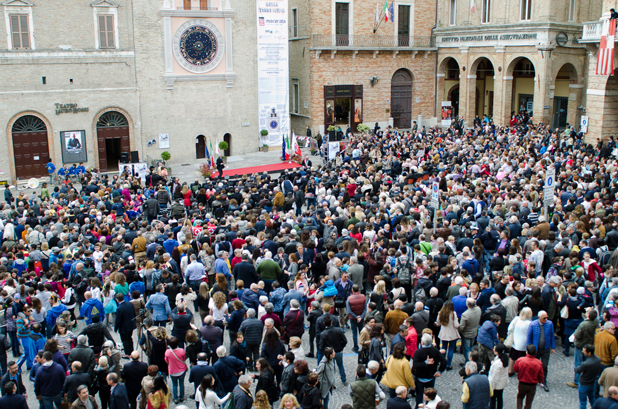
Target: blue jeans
{"type": "Point", "coordinates": [339, 360]}
{"type": "Point", "coordinates": [354, 325]}
{"type": "Point", "coordinates": [579, 358]}
{"type": "Point", "coordinates": [467, 344]}
{"type": "Point", "coordinates": [449, 346]}
{"type": "Point", "coordinates": [25, 356]}
{"type": "Point", "coordinates": [175, 381]}
{"type": "Point", "coordinates": [570, 325]}
{"type": "Point", "coordinates": [325, 401]}
{"type": "Point", "coordinates": [48, 402]}
{"type": "Point", "coordinates": [586, 393]}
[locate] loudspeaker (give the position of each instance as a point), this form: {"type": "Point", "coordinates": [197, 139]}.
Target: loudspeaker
{"type": "Point", "coordinates": [124, 157]}
{"type": "Point", "coordinates": [134, 156]}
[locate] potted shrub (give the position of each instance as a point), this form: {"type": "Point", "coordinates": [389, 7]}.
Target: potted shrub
{"type": "Point", "coordinates": [165, 155]}
{"type": "Point", "coordinates": [263, 134]}
{"type": "Point", "coordinates": [205, 171]}
{"type": "Point", "coordinates": [264, 148]}
{"type": "Point", "coordinates": [223, 147]}
{"type": "Point", "coordinates": [363, 128]}
{"type": "Point", "coordinates": [332, 133]}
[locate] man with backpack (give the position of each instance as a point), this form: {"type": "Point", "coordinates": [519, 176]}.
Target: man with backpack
{"type": "Point", "coordinates": [402, 270]}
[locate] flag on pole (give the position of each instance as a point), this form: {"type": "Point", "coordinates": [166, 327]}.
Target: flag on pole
{"type": "Point", "coordinates": [207, 156]}
{"type": "Point", "coordinates": [385, 11]}
{"type": "Point", "coordinates": [377, 12]}
{"type": "Point", "coordinates": [217, 147]}
{"type": "Point", "coordinates": [391, 11]}
{"type": "Point", "coordinates": [296, 146]}
{"type": "Point", "coordinates": [287, 146]}
{"type": "Point", "coordinates": [283, 147]}
{"type": "Point", "coordinates": [212, 158]}
{"type": "Point", "coordinates": [472, 6]}
{"type": "Point", "coordinates": [605, 61]}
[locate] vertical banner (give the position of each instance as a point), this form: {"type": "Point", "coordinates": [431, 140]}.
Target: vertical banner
{"type": "Point", "coordinates": [273, 69]}
{"type": "Point", "coordinates": [333, 150]}
{"type": "Point", "coordinates": [447, 112]}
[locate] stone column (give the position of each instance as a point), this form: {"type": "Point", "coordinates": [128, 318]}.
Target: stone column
{"type": "Point", "coordinates": [542, 81]}
{"type": "Point", "coordinates": [467, 87]}
{"type": "Point", "coordinates": [501, 112]}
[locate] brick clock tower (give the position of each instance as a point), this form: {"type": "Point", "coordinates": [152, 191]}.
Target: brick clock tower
{"type": "Point", "coordinates": [198, 41]}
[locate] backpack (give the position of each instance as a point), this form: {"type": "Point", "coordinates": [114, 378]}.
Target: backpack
{"type": "Point", "coordinates": [420, 295]}
{"type": "Point", "coordinates": [604, 259]}
{"type": "Point", "coordinates": [403, 271]}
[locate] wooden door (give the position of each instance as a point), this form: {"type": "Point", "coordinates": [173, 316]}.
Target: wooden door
{"type": "Point", "coordinates": [187, 4]}
{"type": "Point", "coordinates": [31, 152]}
{"type": "Point", "coordinates": [121, 132]}
{"type": "Point", "coordinates": [490, 105]}
{"type": "Point", "coordinates": [200, 147]}
{"type": "Point", "coordinates": [227, 138]}
{"type": "Point", "coordinates": [401, 99]}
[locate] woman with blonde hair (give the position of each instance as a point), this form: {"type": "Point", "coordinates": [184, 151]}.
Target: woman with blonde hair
{"type": "Point", "coordinates": [288, 401]}
{"type": "Point", "coordinates": [219, 310]}
{"type": "Point", "coordinates": [379, 296]}
{"type": "Point", "coordinates": [261, 400]}
{"type": "Point", "coordinates": [518, 328]}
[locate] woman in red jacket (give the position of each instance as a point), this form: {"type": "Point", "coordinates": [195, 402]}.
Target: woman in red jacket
{"type": "Point", "coordinates": [591, 267]}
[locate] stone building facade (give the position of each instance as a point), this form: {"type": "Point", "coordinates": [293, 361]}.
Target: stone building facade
{"type": "Point", "coordinates": [117, 74]}
{"type": "Point", "coordinates": [345, 69]}
{"type": "Point", "coordinates": [506, 56]}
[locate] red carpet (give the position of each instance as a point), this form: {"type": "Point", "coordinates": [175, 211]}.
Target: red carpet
{"type": "Point", "coordinates": [275, 167]}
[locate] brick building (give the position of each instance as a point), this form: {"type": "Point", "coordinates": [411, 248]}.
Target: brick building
{"type": "Point", "coordinates": [343, 73]}
{"type": "Point", "coordinates": [121, 73]}
{"type": "Point", "coordinates": [511, 55]}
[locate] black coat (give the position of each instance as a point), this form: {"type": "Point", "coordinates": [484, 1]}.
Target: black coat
{"type": "Point", "coordinates": [125, 318]}
{"type": "Point", "coordinates": [73, 381]}
{"type": "Point", "coordinates": [119, 398]}
{"type": "Point", "coordinates": [21, 389]}
{"type": "Point", "coordinates": [397, 403]}
{"type": "Point", "coordinates": [245, 271]}
{"type": "Point", "coordinates": [132, 373]}
{"type": "Point", "coordinates": [332, 337]}
{"type": "Point", "coordinates": [14, 402]}
{"type": "Point", "coordinates": [85, 356]}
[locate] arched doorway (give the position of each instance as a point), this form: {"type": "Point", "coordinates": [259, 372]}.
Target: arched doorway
{"type": "Point", "coordinates": [30, 147]}
{"type": "Point", "coordinates": [401, 99]}
{"type": "Point", "coordinates": [523, 86]}
{"type": "Point", "coordinates": [566, 76]}
{"type": "Point", "coordinates": [484, 71]}
{"type": "Point", "coordinates": [112, 139]}
{"type": "Point", "coordinates": [227, 138]}
{"type": "Point", "coordinates": [200, 147]}
{"type": "Point", "coordinates": [450, 92]}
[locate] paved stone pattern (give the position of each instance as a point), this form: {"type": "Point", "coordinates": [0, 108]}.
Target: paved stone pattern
{"type": "Point", "coordinates": [448, 385]}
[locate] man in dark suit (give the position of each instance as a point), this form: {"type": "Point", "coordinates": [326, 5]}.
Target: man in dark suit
{"type": "Point", "coordinates": [119, 398]}
{"type": "Point", "coordinates": [73, 381]}
{"type": "Point", "coordinates": [245, 271]}
{"type": "Point", "coordinates": [11, 399]}
{"type": "Point", "coordinates": [400, 401]}
{"type": "Point", "coordinates": [125, 323]}
{"type": "Point", "coordinates": [199, 371]}
{"type": "Point", "coordinates": [132, 373]}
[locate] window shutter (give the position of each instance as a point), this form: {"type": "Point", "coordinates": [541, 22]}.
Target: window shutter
{"type": "Point", "coordinates": [102, 35]}
{"type": "Point", "coordinates": [110, 31]}
{"type": "Point", "coordinates": [25, 38]}
{"type": "Point", "coordinates": [203, 4]}
{"type": "Point", "coordinates": [187, 4]}
{"type": "Point", "coordinates": [15, 32]}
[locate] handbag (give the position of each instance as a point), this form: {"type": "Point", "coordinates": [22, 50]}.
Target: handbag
{"type": "Point", "coordinates": [363, 356]}
{"type": "Point", "coordinates": [508, 342]}
{"type": "Point", "coordinates": [564, 312]}
{"type": "Point", "coordinates": [339, 302]}
{"type": "Point", "coordinates": [284, 336]}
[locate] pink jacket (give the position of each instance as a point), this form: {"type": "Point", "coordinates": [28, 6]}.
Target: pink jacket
{"type": "Point", "coordinates": [176, 361]}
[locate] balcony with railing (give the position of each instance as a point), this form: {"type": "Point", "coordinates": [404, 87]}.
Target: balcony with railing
{"type": "Point", "coordinates": [372, 42]}
{"type": "Point", "coordinates": [197, 7]}
{"type": "Point", "coordinates": [594, 29]}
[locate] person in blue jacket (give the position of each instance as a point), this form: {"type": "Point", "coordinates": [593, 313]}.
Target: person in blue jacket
{"type": "Point", "coordinates": [90, 308]}
{"type": "Point", "coordinates": [159, 304]}
{"type": "Point", "coordinates": [51, 169]}
{"type": "Point", "coordinates": [63, 172]}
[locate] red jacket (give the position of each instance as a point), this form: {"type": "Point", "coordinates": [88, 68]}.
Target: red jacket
{"type": "Point", "coordinates": [593, 270]}
{"type": "Point", "coordinates": [411, 342]}
{"type": "Point", "coordinates": [529, 370]}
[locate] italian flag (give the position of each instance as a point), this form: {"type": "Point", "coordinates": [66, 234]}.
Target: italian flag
{"type": "Point", "coordinates": [471, 6]}
{"type": "Point", "coordinates": [385, 10]}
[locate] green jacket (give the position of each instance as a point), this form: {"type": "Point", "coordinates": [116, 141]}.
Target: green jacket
{"type": "Point", "coordinates": [584, 334]}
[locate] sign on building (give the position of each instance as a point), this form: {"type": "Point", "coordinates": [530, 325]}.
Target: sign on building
{"type": "Point", "coordinates": [584, 124]}
{"type": "Point", "coordinates": [550, 184]}
{"type": "Point", "coordinates": [435, 195]}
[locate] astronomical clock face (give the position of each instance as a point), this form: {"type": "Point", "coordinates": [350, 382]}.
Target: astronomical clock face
{"type": "Point", "coordinates": [198, 46]}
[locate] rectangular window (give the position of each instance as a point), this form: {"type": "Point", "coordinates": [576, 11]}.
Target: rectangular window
{"type": "Point", "coordinates": [295, 95]}
{"type": "Point", "coordinates": [571, 10]}
{"type": "Point", "coordinates": [403, 25]}
{"type": "Point", "coordinates": [187, 4]}
{"type": "Point", "coordinates": [20, 34]}
{"type": "Point", "coordinates": [342, 27]}
{"type": "Point", "coordinates": [526, 10]}
{"type": "Point", "coordinates": [204, 5]}
{"type": "Point", "coordinates": [486, 10]}
{"type": "Point", "coordinates": [106, 31]}
{"type": "Point", "coordinates": [294, 23]}
{"type": "Point", "coordinates": [453, 13]}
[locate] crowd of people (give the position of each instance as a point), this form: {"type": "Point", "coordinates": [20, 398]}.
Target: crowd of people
{"type": "Point", "coordinates": [124, 288]}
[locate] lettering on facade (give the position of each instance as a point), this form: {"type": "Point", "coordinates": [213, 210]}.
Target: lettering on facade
{"type": "Point", "coordinates": [69, 108]}
{"type": "Point", "coordinates": [490, 37]}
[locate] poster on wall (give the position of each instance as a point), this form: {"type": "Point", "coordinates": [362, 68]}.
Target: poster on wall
{"type": "Point", "coordinates": [273, 70]}
{"type": "Point", "coordinates": [73, 146]}
{"type": "Point", "coordinates": [333, 150]}
{"type": "Point", "coordinates": [447, 113]}
{"type": "Point", "coordinates": [358, 110]}
{"type": "Point", "coordinates": [164, 141]}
